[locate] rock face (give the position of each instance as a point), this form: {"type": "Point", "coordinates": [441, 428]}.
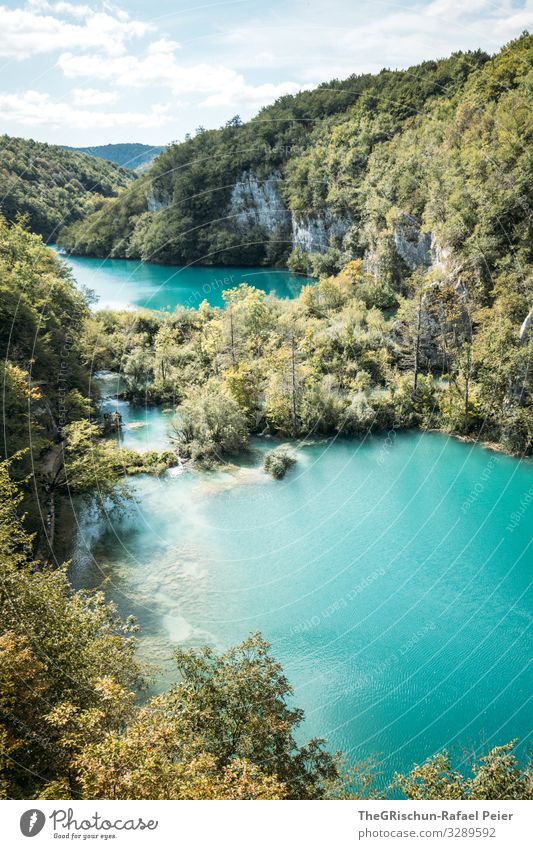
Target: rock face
{"type": "Point", "coordinates": [154, 203]}
{"type": "Point", "coordinates": [413, 246]}
{"type": "Point", "coordinates": [315, 234]}
{"type": "Point", "coordinates": [258, 203]}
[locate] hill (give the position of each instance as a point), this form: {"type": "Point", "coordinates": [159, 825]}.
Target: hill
{"type": "Point", "coordinates": [134, 156]}
{"type": "Point", "coordinates": [52, 186]}
{"type": "Point", "coordinates": [382, 167]}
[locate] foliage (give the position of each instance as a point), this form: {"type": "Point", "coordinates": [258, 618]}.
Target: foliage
{"type": "Point", "coordinates": [497, 775]}
{"type": "Point", "coordinates": [62, 653]}
{"type": "Point", "coordinates": [315, 145]}
{"type": "Point", "coordinates": [278, 462]}
{"type": "Point", "coordinates": [53, 186]}
{"type": "Point", "coordinates": [375, 344]}
{"type": "Point", "coordinates": [41, 317]}
{"type": "Point", "coordinates": [90, 465]}
{"type": "Point", "coordinates": [225, 731]}
{"type": "Point", "coordinates": [331, 362]}
{"type": "Point", "coordinates": [209, 424]}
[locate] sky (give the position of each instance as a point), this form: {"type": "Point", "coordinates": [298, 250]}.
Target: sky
{"type": "Point", "coordinates": [92, 73]}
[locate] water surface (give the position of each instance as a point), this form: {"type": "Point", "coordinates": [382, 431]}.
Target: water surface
{"type": "Point", "coordinates": [391, 576]}
{"type": "Point", "coordinates": [127, 283]}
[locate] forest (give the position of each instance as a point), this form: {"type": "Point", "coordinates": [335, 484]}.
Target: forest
{"type": "Point", "coordinates": [74, 721]}
{"type": "Point", "coordinates": [136, 157]}
{"type": "Point", "coordinates": [51, 186]}
{"type": "Point", "coordinates": [420, 318]}
{"type": "Point", "coordinates": [329, 362]}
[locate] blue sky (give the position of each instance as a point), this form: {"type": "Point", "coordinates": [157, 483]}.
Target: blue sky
{"type": "Point", "coordinates": [89, 72]}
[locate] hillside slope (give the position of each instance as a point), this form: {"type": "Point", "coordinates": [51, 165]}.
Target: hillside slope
{"type": "Point", "coordinates": [401, 168]}
{"type": "Point", "coordinates": [51, 185]}
{"type": "Point", "coordinates": [134, 156]}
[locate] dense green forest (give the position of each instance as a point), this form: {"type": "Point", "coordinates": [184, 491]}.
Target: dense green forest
{"type": "Point", "coordinates": [52, 186]}
{"type": "Point", "coordinates": [427, 322]}
{"type": "Point", "coordinates": [130, 155]}
{"type": "Point", "coordinates": [418, 319]}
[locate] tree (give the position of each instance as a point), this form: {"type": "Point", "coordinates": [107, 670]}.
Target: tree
{"type": "Point", "coordinates": [278, 462]}
{"type": "Point", "coordinates": [89, 465]}
{"type": "Point", "coordinates": [138, 370]}
{"type": "Point", "coordinates": [414, 329]}
{"type": "Point", "coordinates": [209, 424]}
{"type": "Point", "coordinates": [497, 775]}
{"type": "Point", "coordinates": [225, 731]}
{"type": "Point", "coordinates": [63, 654]}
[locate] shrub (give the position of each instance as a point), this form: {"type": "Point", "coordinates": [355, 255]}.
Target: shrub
{"type": "Point", "coordinates": [210, 424]}
{"type": "Point", "coordinates": [278, 462]}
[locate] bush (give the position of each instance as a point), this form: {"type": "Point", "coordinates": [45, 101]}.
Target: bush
{"type": "Point", "coordinates": [278, 462]}
{"type": "Point", "coordinates": [209, 425]}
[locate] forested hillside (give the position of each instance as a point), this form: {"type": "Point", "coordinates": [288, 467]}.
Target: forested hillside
{"type": "Point", "coordinates": [136, 157]}
{"type": "Point", "coordinates": [249, 193]}
{"type": "Point", "coordinates": [52, 186]}
{"type": "Point", "coordinates": [408, 195]}
{"type": "Point", "coordinates": [429, 167]}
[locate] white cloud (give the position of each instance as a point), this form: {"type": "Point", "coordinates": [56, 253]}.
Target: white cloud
{"type": "Point", "coordinates": [32, 30]}
{"type": "Point", "coordinates": [239, 92]}
{"type": "Point", "coordinates": [459, 8]}
{"type": "Point", "coordinates": [164, 45]}
{"type": "Point", "coordinates": [370, 36]}
{"type": "Point", "coordinates": [159, 67]}
{"type": "Point", "coordinates": [93, 97]}
{"type": "Point", "coordinates": [37, 109]}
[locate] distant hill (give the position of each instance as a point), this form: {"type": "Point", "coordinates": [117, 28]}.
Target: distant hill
{"type": "Point", "coordinates": [134, 156]}
{"type": "Point", "coordinates": [53, 186]}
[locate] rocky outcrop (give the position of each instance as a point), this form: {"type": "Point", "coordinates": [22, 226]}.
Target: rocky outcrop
{"type": "Point", "coordinates": [258, 203]}
{"type": "Point", "coordinates": [440, 255]}
{"type": "Point", "coordinates": [315, 234]}
{"type": "Point", "coordinates": [412, 245]}
{"type": "Point", "coordinates": [154, 203]}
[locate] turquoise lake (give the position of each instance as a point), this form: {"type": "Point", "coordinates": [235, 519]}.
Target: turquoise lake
{"type": "Point", "coordinates": [127, 283]}
{"type": "Point", "coordinates": [392, 576]}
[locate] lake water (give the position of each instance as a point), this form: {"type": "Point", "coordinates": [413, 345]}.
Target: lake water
{"type": "Point", "coordinates": [392, 577]}
{"type": "Point", "coordinates": [127, 283]}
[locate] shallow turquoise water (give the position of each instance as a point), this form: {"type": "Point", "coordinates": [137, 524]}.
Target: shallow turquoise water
{"type": "Point", "coordinates": [143, 428]}
{"type": "Point", "coordinates": [392, 577]}
{"type": "Point", "coordinates": [127, 283]}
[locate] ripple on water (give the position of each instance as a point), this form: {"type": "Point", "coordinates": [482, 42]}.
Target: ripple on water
{"type": "Point", "coordinates": [399, 615]}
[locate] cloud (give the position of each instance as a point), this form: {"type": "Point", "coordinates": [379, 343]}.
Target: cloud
{"type": "Point", "coordinates": [372, 36]}
{"type": "Point", "coordinates": [38, 109]}
{"type": "Point", "coordinates": [219, 84]}
{"type": "Point", "coordinates": [35, 29]}
{"type": "Point", "coordinates": [93, 97]}
{"type": "Point", "coordinates": [239, 92]}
